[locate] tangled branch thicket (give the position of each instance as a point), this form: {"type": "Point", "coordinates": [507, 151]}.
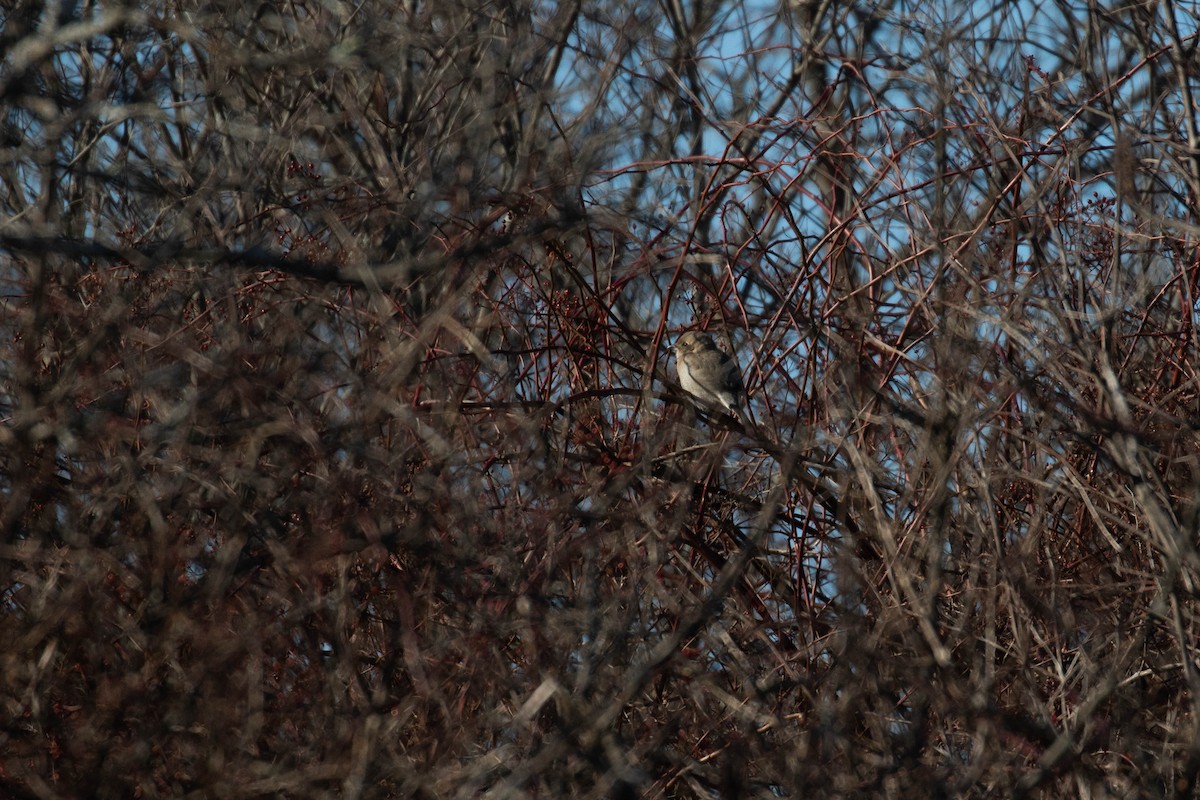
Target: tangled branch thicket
{"type": "Point", "coordinates": [341, 453]}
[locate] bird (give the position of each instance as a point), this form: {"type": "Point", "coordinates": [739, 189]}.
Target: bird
{"type": "Point", "coordinates": [708, 373]}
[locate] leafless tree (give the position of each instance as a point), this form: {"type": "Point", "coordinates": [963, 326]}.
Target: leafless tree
{"type": "Point", "coordinates": [341, 453]}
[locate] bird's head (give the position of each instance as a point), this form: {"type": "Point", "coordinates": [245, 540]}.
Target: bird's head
{"type": "Point", "coordinates": [691, 341]}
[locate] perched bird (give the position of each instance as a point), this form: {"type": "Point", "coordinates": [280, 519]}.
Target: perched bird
{"type": "Point", "coordinates": [708, 373]}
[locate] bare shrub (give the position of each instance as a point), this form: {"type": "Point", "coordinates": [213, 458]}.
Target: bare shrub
{"type": "Point", "coordinates": [341, 452]}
